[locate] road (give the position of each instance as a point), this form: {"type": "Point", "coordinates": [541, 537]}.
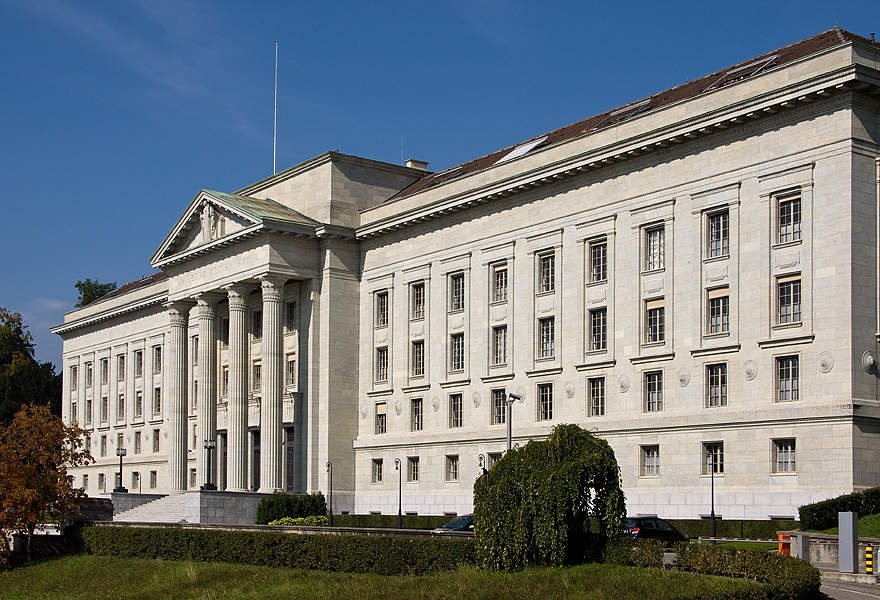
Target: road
{"type": "Point", "coordinates": [850, 591]}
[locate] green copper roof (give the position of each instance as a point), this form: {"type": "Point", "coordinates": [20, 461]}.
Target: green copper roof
{"type": "Point", "coordinates": [264, 208]}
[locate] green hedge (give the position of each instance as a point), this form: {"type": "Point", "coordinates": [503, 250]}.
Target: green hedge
{"type": "Point", "coordinates": [349, 553]}
{"type": "Point", "coordinates": [313, 521]}
{"type": "Point", "coordinates": [280, 505]}
{"type": "Point", "coordinates": [634, 553]}
{"type": "Point", "coordinates": [390, 521]}
{"type": "Point", "coordinates": [823, 515]}
{"type": "Point", "coordinates": [736, 528]}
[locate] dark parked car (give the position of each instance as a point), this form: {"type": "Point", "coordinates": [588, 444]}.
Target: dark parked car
{"type": "Point", "coordinates": [653, 528]}
{"type": "Point", "coordinates": [462, 523]}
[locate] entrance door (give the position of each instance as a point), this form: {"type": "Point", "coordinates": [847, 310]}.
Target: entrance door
{"type": "Point", "coordinates": [255, 477]}
{"type": "Point", "coordinates": [289, 457]}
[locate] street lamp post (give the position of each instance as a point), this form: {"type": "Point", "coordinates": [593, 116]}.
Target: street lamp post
{"type": "Point", "coordinates": [120, 489]}
{"type": "Point", "coordinates": [330, 487]}
{"type": "Point", "coordinates": [481, 462]}
{"type": "Point", "coordinates": [209, 447]}
{"type": "Point", "coordinates": [712, 494]}
{"type": "Point", "coordinates": [511, 398]}
{"type": "Point", "coordinates": [399, 470]}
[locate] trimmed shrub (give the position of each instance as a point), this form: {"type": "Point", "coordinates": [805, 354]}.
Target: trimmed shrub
{"type": "Point", "coordinates": [634, 553]}
{"type": "Point", "coordinates": [280, 505]}
{"type": "Point", "coordinates": [313, 521]}
{"type": "Point", "coordinates": [736, 528]}
{"type": "Point", "coordinates": [823, 515]}
{"type": "Point", "coordinates": [350, 553]}
{"type": "Point", "coordinates": [784, 577]}
{"type": "Point", "coordinates": [533, 506]}
{"type": "Point", "coordinates": [390, 521]}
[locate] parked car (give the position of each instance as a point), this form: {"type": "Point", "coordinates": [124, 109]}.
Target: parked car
{"type": "Point", "coordinates": [653, 528]}
{"type": "Point", "coordinates": [462, 523]}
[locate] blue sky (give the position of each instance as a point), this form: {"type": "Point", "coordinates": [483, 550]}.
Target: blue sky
{"type": "Point", "coordinates": [114, 114]}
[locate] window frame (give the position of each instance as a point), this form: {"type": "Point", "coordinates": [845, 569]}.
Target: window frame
{"type": "Point", "coordinates": [455, 410]}
{"type": "Point", "coordinates": [708, 450]}
{"type": "Point", "coordinates": [546, 283]}
{"type": "Point", "coordinates": [456, 283]}
{"type": "Point", "coordinates": [416, 414]}
{"type": "Point", "coordinates": [787, 446]}
{"type": "Point", "coordinates": [157, 359]}
{"type": "Point", "coordinates": [380, 418]}
{"type": "Point", "coordinates": [718, 246]}
{"type": "Point", "coordinates": [653, 384]}
{"type": "Point", "coordinates": [498, 351]}
{"type": "Point", "coordinates": [649, 468]}
{"type": "Point", "coordinates": [719, 399]}
{"type": "Point", "coordinates": [655, 310]}
{"type": "Point", "coordinates": [598, 256]}
{"type": "Point", "coordinates": [598, 329]}
{"type": "Point", "coordinates": [377, 475]}
{"type": "Point", "coordinates": [795, 234]}
{"type": "Point", "coordinates": [380, 311]}
{"type": "Point", "coordinates": [500, 283]}
{"type": "Point", "coordinates": [790, 313]}
{"type": "Point", "coordinates": [413, 469]}
{"type": "Point", "coordinates": [655, 253]}
{"type": "Point", "coordinates": [596, 403]}
{"type": "Point", "coordinates": [499, 406]}
{"type": "Point", "coordinates": [544, 402]}
{"type": "Point", "coordinates": [453, 468]}
{"type": "Point", "coordinates": [417, 358]}
{"type": "Point", "coordinates": [456, 353]}
{"type": "Point", "coordinates": [417, 301]}
{"type": "Point", "coordinates": [380, 365]}
{"type": "Point", "coordinates": [793, 392]}
{"type": "Point", "coordinates": [547, 337]}
{"type": "Point", "coordinates": [718, 298]}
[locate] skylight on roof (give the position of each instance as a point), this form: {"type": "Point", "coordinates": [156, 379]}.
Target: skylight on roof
{"type": "Point", "coordinates": [743, 72]}
{"type": "Point", "coordinates": [522, 149]}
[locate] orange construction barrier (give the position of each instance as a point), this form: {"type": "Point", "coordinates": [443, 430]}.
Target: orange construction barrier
{"type": "Point", "coordinates": [784, 544]}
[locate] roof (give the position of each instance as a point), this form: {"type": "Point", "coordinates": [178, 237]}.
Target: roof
{"type": "Point", "coordinates": [131, 286]}
{"type": "Point", "coordinates": [264, 208]}
{"type": "Point", "coordinates": [730, 75]}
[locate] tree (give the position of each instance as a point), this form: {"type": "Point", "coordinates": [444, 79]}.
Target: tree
{"type": "Point", "coordinates": [23, 380]}
{"type": "Point", "coordinates": [90, 290]}
{"type": "Point", "coordinates": [36, 449]}
{"type": "Point", "coordinates": [534, 505]}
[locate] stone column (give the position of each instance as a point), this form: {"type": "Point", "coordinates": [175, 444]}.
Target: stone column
{"type": "Point", "coordinates": [176, 395]}
{"type": "Point", "coordinates": [271, 385]}
{"type": "Point", "coordinates": [206, 424]}
{"type": "Point", "coordinates": [236, 428]}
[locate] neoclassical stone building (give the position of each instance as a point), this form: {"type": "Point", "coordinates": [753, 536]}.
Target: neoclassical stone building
{"type": "Point", "coordinates": [694, 276]}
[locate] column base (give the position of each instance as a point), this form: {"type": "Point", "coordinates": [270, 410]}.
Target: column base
{"type": "Point", "coordinates": [208, 487]}
{"type": "Point", "coordinates": [269, 490]}
{"type": "Point", "coordinates": [120, 490]}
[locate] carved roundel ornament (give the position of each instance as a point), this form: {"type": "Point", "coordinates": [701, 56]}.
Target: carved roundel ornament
{"type": "Point", "coordinates": [397, 409]}
{"type": "Point", "coordinates": [869, 361]}
{"type": "Point", "coordinates": [363, 411]}
{"type": "Point", "coordinates": [569, 390]}
{"type": "Point", "coordinates": [435, 403]}
{"type": "Point", "coordinates": [750, 370]}
{"type": "Point", "coordinates": [476, 399]}
{"type": "Point", "coordinates": [684, 378]}
{"type": "Point", "coordinates": [623, 383]}
{"type": "Point", "coordinates": [826, 362]}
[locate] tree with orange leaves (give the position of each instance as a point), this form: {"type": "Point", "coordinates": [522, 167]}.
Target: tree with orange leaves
{"type": "Point", "coordinates": [36, 449]}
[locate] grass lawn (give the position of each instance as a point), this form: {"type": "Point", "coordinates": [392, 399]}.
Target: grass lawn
{"type": "Point", "coordinates": [869, 526]}
{"type": "Point", "coordinates": [759, 546]}
{"type": "Point", "coordinates": [96, 577]}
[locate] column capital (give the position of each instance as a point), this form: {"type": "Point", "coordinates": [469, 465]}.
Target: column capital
{"type": "Point", "coordinates": [178, 312]}
{"type": "Point", "coordinates": [272, 286]}
{"type": "Point", "coordinates": [209, 299]}
{"type": "Point", "coordinates": [237, 294]}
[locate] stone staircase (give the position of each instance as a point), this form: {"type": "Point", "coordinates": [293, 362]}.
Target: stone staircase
{"type": "Point", "coordinates": [174, 508]}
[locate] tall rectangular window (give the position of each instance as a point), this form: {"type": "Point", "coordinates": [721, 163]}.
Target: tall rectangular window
{"type": "Point", "coordinates": [120, 407]}
{"type": "Point", "coordinates": [547, 328]}
{"type": "Point", "coordinates": [224, 380]}
{"type": "Point", "coordinates": [452, 467]}
{"type": "Point", "coordinates": [381, 417]}
{"type": "Point", "coordinates": [74, 372]}
{"type": "Point", "coordinates": [784, 456]}
{"type": "Point", "coordinates": [381, 309]}
{"type": "Point", "coordinates": [120, 367]}
{"type": "Point", "coordinates": [456, 352]}
{"type": "Point", "coordinates": [456, 292]}
{"type": "Point", "coordinates": [257, 323]}
{"type": "Point", "coordinates": [378, 468]}
{"type": "Point", "coordinates": [718, 230]}
{"type": "Point", "coordinates": [138, 404]}
{"type": "Point", "coordinates": [599, 261]}
{"type": "Point", "coordinates": [290, 320]}
{"type": "Point", "coordinates": [719, 310]}
{"type": "Point", "coordinates": [492, 458]}
{"type": "Point", "coordinates": [499, 407]}
{"type": "Point", "coordinates": [456, 410]}
{"type": "Point", "coordinates": [157, 359]}
{"type": "Point", "coordinates": [416, 414]}
{"type": "Point", "coordinates": [105, 408]}
{"type": "Point", "coordinates": [654, 321]}
{"type": "Point", "coordinates": [138, 363]}
{"type": "Point", "coordinates": [499, 345]}
{"type": "Point", "coordinates": [157, 401]}
{"type": "Point", "coordinates": [105, 370]}
{"type": "Point", "coordinates": [89, 375]}
{"type": "Point", "coordinates": [598, 329]}
{"type": "Point", "coordinates": [789, 299]}
{"type": "Point", "coordinates": [788, 218]}
{"type": "Point", "coordinates": [545, 401]}
{"type": "Point", "coordinates": [137, 442]}
{"type": "Point", "coordinates": [547, 272]}
{"type": "Point", "coordinates": [499, 283]}
{"type": "Point", "coordinates": [382, 364]}
{"type": "Point", "coordinates": [102, 482]}
{"type": "Point", "coordinates": [290, 370]}
{"type": "Point", "coordinates": [194, 349]}
{"type": "Point", "coordinates": [417, 301]}
{"type": "Point", "coordinates": [650, 461]}
{"type": "Point", "coordinates": [154, 479]}
{"type": "Point", "coordinates": [713, 458]}
{"type": "Point", "coordinates": [654, 391]}
{"type": "Point", "coordinates": [88, 410]}
{"type": "Point", "coordinates": [74, 417]}
{"type": "Point", "coordinates": [787, 379]}
{"type": "Point", "coordinates": [418, 358]}
{"type": "Point", "coordinates": [224, 331]}
{"type": "Point", "coordinates": [654, 248]}
{"type": "Point", "coordinates": [716, 385]}
{"type": "Point", "coordinates": [256, 376]}
{"type": "Point", "coordinates": [103, 445]}
{"type": "Point", "coordinates": [596, 386]}
{"type": "Point", "coordinates": [412, 469]}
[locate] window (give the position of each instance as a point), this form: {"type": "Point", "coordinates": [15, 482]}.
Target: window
{"type": "Point", "coordinates": [105, 370]}
{"type": "Point", "coordinates": [412, 468]}
{"type": "Point", "coordinates": [290, 370]}
{"type": "Point", "coordinates": [499, 407]}
{"type": "Point", "coordinates": [545, 401]}
{"type": "Point", "coordinates": [135, 481]}
{"type": "Point", "coordinates": [138, 363]}
{"type": "Point", "coordinates": [719, 310]}
{"type": "Point", "coordinates": [192, 478]}
{"type": "Point", "coordinates": [382, 364]}
{"type": "Point", "coordinates": [718, 231]}
{"type": "Point", "coordinates": [499, 345]}
{"type": "Point", "coordinates": [381, 419]}
{"type": "Point", "coordinates": [74, 372]}
{"type": "Point", "coordinates": [596, 386]}
{"type": "Point", "coordinates": [547, 272]}
{"type": "Point", "coordinates": [789, 294]}
{"type": "Point", "coordinates": [120, 367]}
{"type": "Point", "coordinates": [381, 309]}
{"type": "Point", "coordinates": [547, 327]}
{"type": "Point", "coordinates": [105, 408]}
{"type": "Point", "coordinates": [195, 437]}
{"type": "Point", "coordinates": [194, 400]}
{"type": "Point", "coordinates": [119, 440]}
{"type": "Point", "coordinates": [418, 358]}
{"type": "Point", "coordinates": [102, 482]}
{"type": "Point", "coordinates": [788, 218]}
{"type": "Point", "coordinates": [599, 261]}
{"type": "Point", "coordinates": [137, 442]}
{"type": "Point", "coordinates": [598, 329]}
{"type": "Point", "coordinates": [716, 385]}
{"type": "Point", "coordinates": [86, 482]}
{"type": "Point", "coordinates": [256, 375]}
{"type": "Point", "coordinates": [194, 349]}
{"type": "Point", "coordinates": [257, 323]}
{"type": "Point", "coordinates": [417, 301]}
{"type": "Point", "coordinates": [224, 381]}
{"type": "Point", "coordinates": [415, 414]}
{"type": "Point", "coordinates": [456, 292]}
{"type": "Point", "coordinates": [157, 359]}
{"type": "Point", "coordinates": [138, 404]}
{"type": "Point", "coordinates": [74, 417]}
{"type": "Point", "coordinates": [650, 461]}
{"type": "Point", "coordinates": [499, 283]}
{"type": "Point", "coordinates": [456, 409]}
{"type": "Point", "coordinates": [654, 317]}
{"type": "Point", "coordinates": [87, 444]}
{"type": "Point", "coordinates": [103, 445]}
{"type": "Point", "coordinates": [654, 391]}
{"type": "Point", "coordinates": [452, 467]}
{"type": "Point", "coordinates": [224, 331]}
{"type": "Point", "coordinates": [88, 411]}
{"type": "Point", "coordinates": [157, 401]}
{"type": "Point", "coordinates": [154, 479]}
{"type": "Point", "coordinates": [378, 467]}
{"type": "Point", "coordinates": [713, 458]}
{"type": "Point", "coordinates": [89, 375]}
{"type": "Point", "coordinates": [492, 458]}
{"type": "Point", "coordinates": [120, 407]}
{"type": "Point", "coordinates": [456, 352]}
{"type": "Point", "coordinates": [784, 457]}
{"type": "Point", "coordinates": [155, 441]}
{"type": "Point", "coordinates": [290, 313]}
{"type": "Point", "coordinates": [654, 249]}
{"type": "Point", "coordinates": [787, 379]}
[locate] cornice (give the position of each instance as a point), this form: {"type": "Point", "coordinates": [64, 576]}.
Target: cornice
{"type": "Point", "coordinates": [155, 300]}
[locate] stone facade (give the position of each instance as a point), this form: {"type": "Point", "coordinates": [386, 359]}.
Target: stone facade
{"type": "Point", "coordinates": [697, 283]}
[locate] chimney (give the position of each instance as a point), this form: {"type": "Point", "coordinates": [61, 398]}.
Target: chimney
{"type": "Point", "coordinates": [421, 165]}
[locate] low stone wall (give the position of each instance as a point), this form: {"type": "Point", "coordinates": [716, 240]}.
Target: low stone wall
{"type": "Point", "coordinates": [823, 548]}
{"type": "Point", "coordinates": [127, 501]}
{"type": "Point", "coordinates": [370, 531]}
{"type": "Point", "coordinates": [228, 508]}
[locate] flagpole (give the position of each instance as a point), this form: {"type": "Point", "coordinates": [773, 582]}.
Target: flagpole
{"type": "Point", "coordinates": [275, 119]}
